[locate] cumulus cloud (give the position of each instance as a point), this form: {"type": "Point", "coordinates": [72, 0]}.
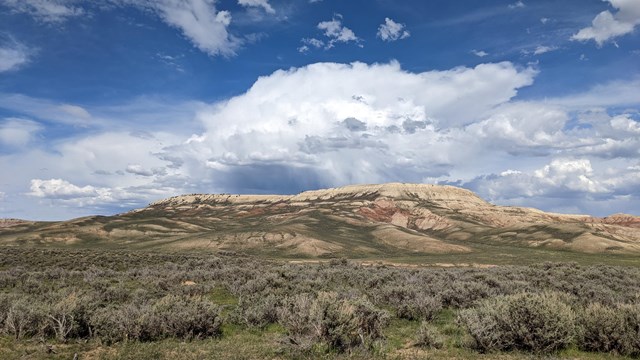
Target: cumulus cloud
{"type": "Point", "coordinates": [13, 55]}
{"type": "Point", "coordinates": [561, 178]}
{"type": "Point", "coordinates": [65, 193]}
{"type": "Point", "coordinates": [264, 4]}
{"type": "Point", "coordinates": [62, 189]}
{"type": "Point", "coordinates": [392, 31]}
{"type": "Point", "coordinates": [51, 11]}
{"type": "Point", "coordinates": [337, 32]}
{"type": "Point", "coordinates": [198, 20]}
{"type": "Point", "coordinates": [95, 173]}
{"type": "Point", "coordinates": [520, 125]}
{"type": "Point", "coordinates": [17, 133]}
{"type": "Point", "coordinates": [625, 124]}
{"type": "Point", "coordinates": [301, 121]}
{"type": "Point", "coordinates": [608, 25]}
{"type": "Point", "coordinates": [570, 174]}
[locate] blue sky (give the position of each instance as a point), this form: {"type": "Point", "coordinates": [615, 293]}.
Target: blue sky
{"type": "Point", "coordinates": [108, 105]}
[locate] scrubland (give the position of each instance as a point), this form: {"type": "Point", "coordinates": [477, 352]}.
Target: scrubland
{"type": "Point", "coordinates": [118, 304]}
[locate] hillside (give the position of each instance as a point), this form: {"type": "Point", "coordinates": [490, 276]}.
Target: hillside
{"type": "Point", "coordinates": [361, 221]}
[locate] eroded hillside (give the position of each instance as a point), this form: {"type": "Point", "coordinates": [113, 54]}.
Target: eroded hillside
{"type": "Point", "coordinates": [367, 221]}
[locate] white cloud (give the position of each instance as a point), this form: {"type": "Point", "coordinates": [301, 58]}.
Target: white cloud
{"type": "Point", "coordinates": [174, 62]}
{"type": "Point", "coordinates": [75, 111]}
{"type": "Point", "coordinates": [316, 43]}
{"type": "Point", "coordinates": [138, 169]}
{"type": "Point", "coordinates": [571, 174]}
{"type": "Point", "coordinates": [15, 132]}
{"type": "Point", "coordinates": [479, 53]}
{"type": "Point", "coordinates": [64, 193]}
{"type": "Point", "coordinates": [336, 32]}
{"type": "Point", "coordinates": [13, 55]}
{"type": "Point", "coordinates": [561, 178]}
{"type": "Point", "coordinates": [614, 93]}
{"type": "Point", "coordinates": [392, 31]}
{"type": "Point", "coordinates": [298, 123]}
{"type": "Point", "coordinates": [46, 110]}
{"type": "Point", "coordinates": [517, 5]}
{"type": "Point", "coordinates": [258, 3]}
{"type": "Point", "coordinates": [51, 11]}
{"type": "Point", "coordinates": [625, 124]}
{"type": "Point", "coordinates": [62, 189]}
{"type": "Point", "coordinates": [607, 25]}
{"type": "Point", "coordinates": [108, 167]}
{"type": "Point", "coordinates": [544, 49]}
{"type": "Point", "coordinates": [198, 20]}
{"type": "Point", "coordinates": [522, 124]}
{"type": "Point", "coordinates": [307, 42]}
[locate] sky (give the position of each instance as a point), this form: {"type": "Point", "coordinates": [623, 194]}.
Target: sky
{"type": "Point", "coordinates": [108, 105]}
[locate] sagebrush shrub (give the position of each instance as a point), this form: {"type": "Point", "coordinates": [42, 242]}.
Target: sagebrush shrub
{"type": "Point", "coordinates": [170, 316]}
{"type": "Point", "coordinates": [420, 307]}
{"type": "Point", "coordinates": [25, 318]}
{"type": "Point", "coordinates": [257, 311]}
{"type": "Point", "coordinates": [610, 329]}
{"type": "Point", "coordinates": [531, 322]}
{"type": "Point", "coordinates": [118, 323]}
{"type": "Point", "coordinates": [296, 316]}
{"type": "Point", "coordinates": [64, 315]}
{"type": "Point", "coordinates": [338, 323]}
{"type": "Point", "coordinates": [428, 336]}
{"type": "Point", "coordinates": [632, 320]}
{"type": "Point", "coordinates": [183, 318]}
{"type": "Point", "coordinates": [5, 303]}
{"type": "Point", "coordinates": [602, 328]}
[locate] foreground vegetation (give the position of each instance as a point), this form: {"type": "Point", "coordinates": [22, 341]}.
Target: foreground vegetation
{"type": "Point", "coordinates": [55, 303]}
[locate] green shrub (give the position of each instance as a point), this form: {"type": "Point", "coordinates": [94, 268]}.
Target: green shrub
{"type": "Point", "coordinates": [64, 315]}
{"type": "Point", "coordinates": [632, 320]}
{"type": "Point", "coordinates": [602, 328]}
{"type": "Point", "coordinates": [5, 303]}
{"type": "Point", "coordinates": [171, 316]}
{"type": "Point", "coordinates": [25, 317]}
{"type": "Point", "coordinates": [339, 324]}
{"type": "Point", "coordinates": [484, 325]}
{"type": "Point", "coordinates": [420, 307]}
{"type": "Point", "coordinates": [531, 322]}
{"type": "Point", "coordinates": [610, 329]}
{"type": "Point", "coordinates": [297, 317]}
{"type": "Point", "coordinates": [256, 311]}
{"type": "Point", "coordinates": [118, 323]}
{"type": "Point", "coordinates": [428, 336]}
{"type": "Point", "coordinates": [183, 318]}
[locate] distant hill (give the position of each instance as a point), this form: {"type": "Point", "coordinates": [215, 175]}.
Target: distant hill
{"type": "Point", "coordinates": [359, 221]}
